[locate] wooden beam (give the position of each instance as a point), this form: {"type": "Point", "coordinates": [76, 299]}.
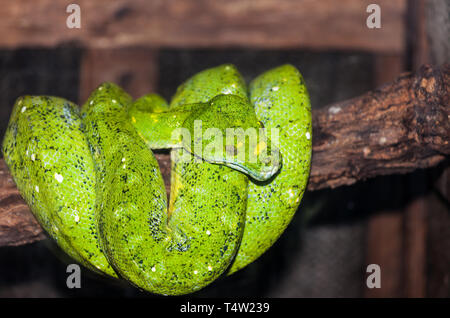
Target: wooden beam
{"type": "Point", "coordinates": [417, 41]}
{"type": "Point", "coordinates": [415, 249]}
{"type": "Point", "coordinates": [324, 24]}
{"type": "Point", "coordinates": [385, 248]}
{"type": "Point", "coordinates": [134, 69]}
{"type": "Point", "coordinates": [438, 239]}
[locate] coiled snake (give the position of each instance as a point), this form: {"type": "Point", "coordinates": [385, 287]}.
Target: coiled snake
{"type": "Point", "coordinates": [91, 179]}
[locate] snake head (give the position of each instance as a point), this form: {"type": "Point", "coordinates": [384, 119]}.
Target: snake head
{"type": "Point", "coordinates": [226, 131]}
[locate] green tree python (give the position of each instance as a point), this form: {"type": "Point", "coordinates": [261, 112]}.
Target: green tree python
{"type": "Point", "coordinates": [90, 177]}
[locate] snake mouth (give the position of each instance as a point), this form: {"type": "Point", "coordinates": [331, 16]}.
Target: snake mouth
{"type": "Point", "coordinates": [257, 172]}
{"type": "Point", "coordinates": [260, 168]}
{"type": "Point", "coordinates": [263, 174]}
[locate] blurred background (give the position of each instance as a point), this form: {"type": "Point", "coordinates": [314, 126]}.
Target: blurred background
{"type": "Point", "coordinates": [400, 222]}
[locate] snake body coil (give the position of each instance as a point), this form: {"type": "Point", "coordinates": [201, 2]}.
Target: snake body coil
{"type": "Point", "coordinates": [92, 181]}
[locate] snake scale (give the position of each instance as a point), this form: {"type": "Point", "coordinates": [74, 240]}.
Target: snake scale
{"type": "Point", "coordinates": [91, 179]}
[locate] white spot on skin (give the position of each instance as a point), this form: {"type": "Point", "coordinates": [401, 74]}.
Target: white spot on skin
{"type": "Point", "coordinates": [32, 157]}
{"type": "Point", "coordinates": [308, 135]}
{"type": "Point", "coordinates": [334, 110]}
{"type": "Point", "coordinates": [208, 232]}
{"type": "Point", "coordinates": [59, 177]}
{"type": "Point", "coordinates": [123, 159]}
{"type": "Point", "coordinates": [114, 101]}
{"type": "Point", "coordinates": [226, 91]}
{"type": "Point", "coordinates": [210, 268]}
{"type": "Point", "coordinates": [153, 269]}
{"type": "Point", "coordinates": [383, 140]}
{"type": "Point", "coordinates": [77, 218]}
{"type": "Point", "coordinates": [261, 104]}
{"type": "Point", "coordinates": [91, 102]}
{"type": "Point", "coordinates": [275, 88]}
{"type": "Point", "coordinates": [23, 109]}
{"type": "Point", "coordinates": [124, 166]}
{"type": "Point", "coordinates": [195, 272]}
{"type": "Point", "coordinates": [366, 151]}
{"type": "Point", "coordinates": [36, 188]}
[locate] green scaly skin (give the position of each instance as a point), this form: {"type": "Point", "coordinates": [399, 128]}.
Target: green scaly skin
{"type": "Point", "coordinates": [175, 251]}
{"type": "Point", "coordinates": [95, 186]}
{"type": "Point", "coordinates": [49, 159]}
{"type": "Point", "coordinates": [281, 101]}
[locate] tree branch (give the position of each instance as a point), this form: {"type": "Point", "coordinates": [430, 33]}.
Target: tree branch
{"type": "Point", "coordinates": [400, 127]}
{"type": "Point", "coordinates": [397, 128]}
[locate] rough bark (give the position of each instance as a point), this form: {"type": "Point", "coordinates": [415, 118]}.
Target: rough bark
{"type": "Point", "coordinates": [400, 127]}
